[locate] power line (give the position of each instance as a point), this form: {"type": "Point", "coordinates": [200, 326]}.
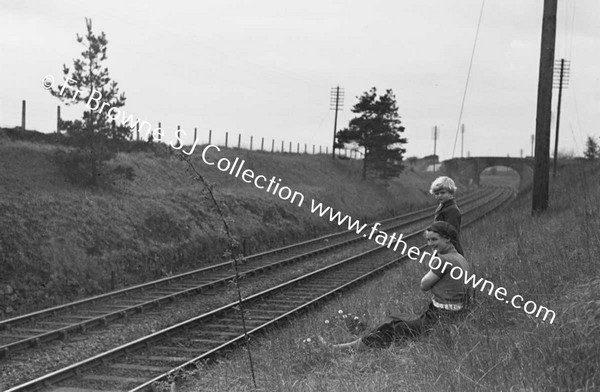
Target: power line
{"type": "Point", "coordinates": [462, 105]}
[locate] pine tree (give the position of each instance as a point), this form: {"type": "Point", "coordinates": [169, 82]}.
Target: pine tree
{"type": "Point", "coordinates": [591, 149]}
{"type": "Point", "coordinates": [96, 135]}
{"type": "Point", "coordinates": [377, 129]}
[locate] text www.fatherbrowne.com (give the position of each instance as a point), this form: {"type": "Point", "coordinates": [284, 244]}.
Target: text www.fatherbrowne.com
{"type": "Point", "coordinates": [391, 241]}
{"type": "Point", "coordinates": [435, 263]}
{"type": "Point", "coordinates": [273, 186]}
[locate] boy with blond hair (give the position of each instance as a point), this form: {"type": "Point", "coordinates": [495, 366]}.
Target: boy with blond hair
{"type": "Point", "coordinates": [443, 188]}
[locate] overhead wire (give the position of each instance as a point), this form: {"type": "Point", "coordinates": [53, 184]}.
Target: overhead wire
{"type": "Point", "coordinates": [462, 105]}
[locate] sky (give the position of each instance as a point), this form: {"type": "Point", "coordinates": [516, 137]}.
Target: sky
{"type": "Point", "coordinates": [266, 68]}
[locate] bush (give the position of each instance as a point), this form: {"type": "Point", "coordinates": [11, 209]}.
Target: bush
{"type": "Point", "coordinates": [81, 167]}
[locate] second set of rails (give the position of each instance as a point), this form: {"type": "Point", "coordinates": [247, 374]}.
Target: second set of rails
{"type": "Point", "coordinates": [220, 327]}
{"type": "Point", "coordinates": [59, 322]}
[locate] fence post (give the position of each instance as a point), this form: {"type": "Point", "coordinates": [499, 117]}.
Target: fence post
{"type": "Point", "coordinates": [262, 144]}
{"type": "Point", "coordinates": [298, 148]}
{"type": "Point", "coordinates": [23, 115]}
{"type": "Point", "coordinates": [305, 148]}
{"type": "Point", "coordinates": [58, 119]}
{"type": "Point", "coordinates": [273, 146]}
{"type": "Point", "coordinates": [226, 137]}
{"type": "Point", "coordinates": [209, 136]}
{"type": "Point", "coordinates": [251, 139]}
{"type": "Point", "coordinates": [282, 146]}
{"type": "Point", "coordinates": [195, 135]}
{"type": "Point", "coordinates": [326, 150]}
{"type": "Point", "coordinates": [239, 140]}
{"type": "Point", "coordinates": [137, 128]}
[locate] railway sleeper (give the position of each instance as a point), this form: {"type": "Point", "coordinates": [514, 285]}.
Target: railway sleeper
{"type": "Point", "coordinates": [266, 309]}
{"type": "Point", "coordinates": [248, 319]}
{"type": "Point", "coordinates": [235, 324]}
{"type": "Point", "coordinates": [161, 358]}
{"type": "Point", "coordinates": [31, 331]}
{"type": "Point", "coordinates": [118, 379]}
{"type": "Point", "coordinates": [52, 324]}
{"type": "Point", "coordinates": [142, 368]}
{"type": "Point", "coordinates": [9, 336]}
{"type": "Point", "coordinates": [212, 334]}
{"type": "Point", "coordinates": [178, 349]}
{"type": "Point", "coordinates": [197, 340]}
{"type": "Point", "coordinates": [223, 327]}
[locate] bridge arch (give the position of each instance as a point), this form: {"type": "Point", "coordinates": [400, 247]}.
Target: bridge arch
{"type": "Point", "coordinates": [469, 169]}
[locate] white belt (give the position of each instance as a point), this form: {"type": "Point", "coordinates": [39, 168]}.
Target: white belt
{"type": "Point", "coordinates": [447, 306]}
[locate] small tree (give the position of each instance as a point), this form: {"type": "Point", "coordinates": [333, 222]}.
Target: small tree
{"type": "Point", "coordinates": [591, 149]}
{"type": "Point", "coordinates": [378, 131]}
{"type": "Point", "coordinates": [90, 83]}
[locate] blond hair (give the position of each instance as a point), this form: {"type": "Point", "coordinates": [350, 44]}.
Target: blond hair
{"type": "Point", "coordinates": [443, 183]}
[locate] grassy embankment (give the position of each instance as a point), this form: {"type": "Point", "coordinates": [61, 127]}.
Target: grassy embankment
{"type": "Point", "coordinates": [550, 259]}
{"type": "Point", "coordinates": [60, 241]}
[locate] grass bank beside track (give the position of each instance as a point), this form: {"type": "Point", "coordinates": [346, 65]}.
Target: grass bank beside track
{"type": "Point", "coordinates": [359, 268]}
{"type": "Point", "coordinates": [60, 241]}
{"type": "Point", "coordinates": [550, 259]}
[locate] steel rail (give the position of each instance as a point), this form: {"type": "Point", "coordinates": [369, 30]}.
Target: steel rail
{"type": "Point", "coordinates": [148, 385]}
{"type": "Point", "coordinates": [69, 371]}
{"type": "Point", "coordinates": [42, 312]}
{"type": "Point", "coordinates": [104, 319]}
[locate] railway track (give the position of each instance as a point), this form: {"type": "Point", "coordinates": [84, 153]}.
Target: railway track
{"type": "Point", "coordinates": [61, 322]}
{"type": "Point", "coordinates": [135, 366]}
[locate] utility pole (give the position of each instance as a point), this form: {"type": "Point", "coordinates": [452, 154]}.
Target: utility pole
{"type": "Point", "coordinates": [532, 144]}
{"type": "Point", "coordinates": [544, 103]}
{"type": "Point", "coordinates": [336, 102]}
{"type": "Point", "coordinates": [58, 119]}
{"type": "Point", "coordinates": [23, 109]}
{"type": "Point", "coordinates": [435, 136]}
{"type": "Point", "coordinates": [563, 81]}
{"type": "Point", "coordinates": [462, 140]}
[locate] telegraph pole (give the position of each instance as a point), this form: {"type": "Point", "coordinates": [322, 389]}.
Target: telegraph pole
{"type": "Point", "coordinates": [462, 139]}
{"type": "Point", "coordinates": [435, 136]}
{"type": "Point", "coordinates": [544, 103]}
{"type": "Point", "coordinates": [563, 81]}
{"type": "Point", "coordinates": [336, 102]}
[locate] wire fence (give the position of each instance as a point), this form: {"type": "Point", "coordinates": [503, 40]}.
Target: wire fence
{"type": "Point", "coordinates": [227, 139]}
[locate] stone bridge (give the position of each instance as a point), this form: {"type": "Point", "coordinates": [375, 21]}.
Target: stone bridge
{"type": "Point", "coordinates": [469, 169]}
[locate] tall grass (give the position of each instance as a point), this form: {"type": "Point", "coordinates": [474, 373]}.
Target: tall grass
{"type": "Point", "coordinates": [59, 241]}
{"type": "Point", "coordinates": [550, 259]}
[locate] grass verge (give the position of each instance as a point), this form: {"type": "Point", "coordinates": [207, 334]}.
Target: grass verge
{"type": "Point", "coordinates": [550, 259]}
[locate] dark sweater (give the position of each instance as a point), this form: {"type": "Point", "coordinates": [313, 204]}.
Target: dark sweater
{"type": "Point", "coordinates": [449, 212]}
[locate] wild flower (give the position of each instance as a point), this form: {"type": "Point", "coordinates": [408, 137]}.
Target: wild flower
{"type": "Point", "coordinates": [348, 321]}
